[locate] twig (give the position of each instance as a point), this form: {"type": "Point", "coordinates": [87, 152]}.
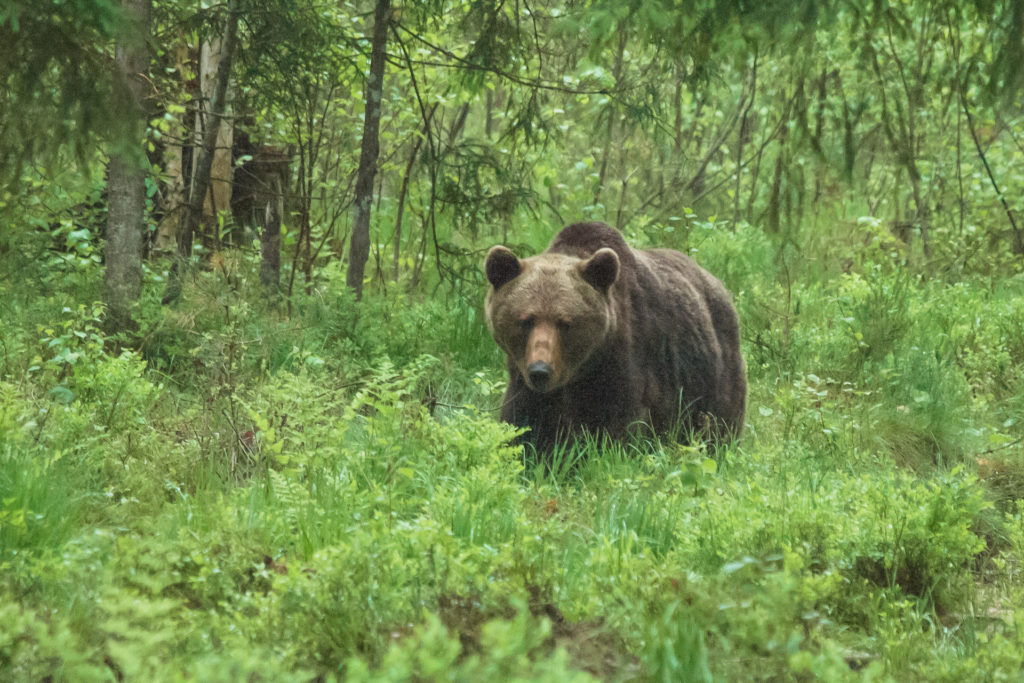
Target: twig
{"type": "Point", "coordinates": [996, 449]}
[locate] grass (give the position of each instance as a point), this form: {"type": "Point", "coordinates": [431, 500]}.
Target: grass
{"type": "Point", "coordinates": [250, 496]}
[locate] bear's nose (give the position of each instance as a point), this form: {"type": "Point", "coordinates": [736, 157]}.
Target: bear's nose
{"type": "Point", "coordinates": [539, 373]}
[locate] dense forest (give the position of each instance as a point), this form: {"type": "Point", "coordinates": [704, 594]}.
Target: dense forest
{"type": "Point", "coordinates": [249, 400]}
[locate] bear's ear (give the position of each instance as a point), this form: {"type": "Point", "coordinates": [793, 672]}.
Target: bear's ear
{"type": "Point", "coordinates": [602, 269]}
{"type": "Point", "coordinates": [501, 266]}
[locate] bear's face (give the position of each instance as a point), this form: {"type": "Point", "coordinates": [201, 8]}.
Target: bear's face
{"type": "Point", "coordinates": [550, 312]}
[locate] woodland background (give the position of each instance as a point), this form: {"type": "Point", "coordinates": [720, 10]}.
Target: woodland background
{"type": "Point", "coordinates": [248, 399]}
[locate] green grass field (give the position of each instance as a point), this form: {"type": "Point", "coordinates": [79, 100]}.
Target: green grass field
{"type": "Point", "coordinates": [245, 495]}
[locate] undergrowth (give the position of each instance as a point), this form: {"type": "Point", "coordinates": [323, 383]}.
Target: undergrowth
{"type": "Point", "coordinates": [242, 494]}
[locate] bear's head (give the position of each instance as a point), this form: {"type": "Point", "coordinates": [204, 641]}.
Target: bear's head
{"type": "Point", "coordinates": [550, 312]}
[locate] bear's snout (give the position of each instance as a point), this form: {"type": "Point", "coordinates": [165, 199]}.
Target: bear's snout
{"type": "Point", "coordinates": [540, 374]}
{"type": "Point", "coordinates": [543, 357]}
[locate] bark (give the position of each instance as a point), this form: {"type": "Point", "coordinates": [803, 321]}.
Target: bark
{"type": "Point", "coordinates": [218, 196]}
{"type": "Point", "coordinates": [359, 249]}
{"type": "Point", "coordinates": [743, 137]}
{"type": "Point", "coordinates": [122, 280]}
{"type": "Point", "coordinates": [270, 245]}
{"type": "Point", "coordinates": [488, 114]}
{"type": "Point", "coordinates": [303, 195]}
{"type": "Point", "coordinates": [172, 190]}
{"type": "Point", "coordinates": [174, 199]}
{"type": "Point", "coordinates": [204, 159]}
{"type": "Point", "coordinates": [460, 123]}
{"type": "Point", "coordinates": [775, 194]}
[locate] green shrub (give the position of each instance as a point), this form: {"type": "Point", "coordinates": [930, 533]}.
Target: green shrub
{"type": "Point", "coordinates": [920, 537]}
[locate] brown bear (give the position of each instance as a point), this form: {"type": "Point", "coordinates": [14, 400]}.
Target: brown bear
{"type": "Point", "coordinates": [603, 338]}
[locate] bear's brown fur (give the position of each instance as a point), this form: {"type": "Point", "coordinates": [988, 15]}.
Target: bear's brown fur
{"type": "Point", "coordinates": [603, 338]}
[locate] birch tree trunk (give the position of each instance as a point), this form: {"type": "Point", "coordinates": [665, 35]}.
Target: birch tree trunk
{"type": "Point", "coordinates": [359, 250]}
{"type": "Point", "coordinates": [175, 195]}
{"type": "Point", "coordinates": [218, 196]}
{"type": "Point", "coordinates": [205, 155]}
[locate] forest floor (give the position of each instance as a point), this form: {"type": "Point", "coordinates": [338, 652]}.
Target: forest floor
{"type": "Point", "coordinates": [244, 491]}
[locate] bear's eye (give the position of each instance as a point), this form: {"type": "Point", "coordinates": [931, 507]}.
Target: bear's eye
{"type": "Point", "coordinates": [528, 322]}
{"type": "Point", "coordinates": [563, 324]}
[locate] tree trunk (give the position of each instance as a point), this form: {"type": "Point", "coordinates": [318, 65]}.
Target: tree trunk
{"type": "Point", "coordinates": [359, 249]}
{"type": "Point", "coordinates": [204, 162]}
{"type": "Point", "coordinates": [270, 244]}
{"type": "Point", "coordinates": [218, 196]}
{"type": "Point", "coordinates": [126, 182]}
{"type": "Point", "coordinates": [744, 136]}
{"type": "Point", "coordinates": [173, 199]}
{"type": "Point", "coordinates": [775, 194]}
{"type": "Point", "coordinates": [173, 189]}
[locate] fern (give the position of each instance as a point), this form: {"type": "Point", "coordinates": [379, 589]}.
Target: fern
{"type": "Point", "coordinates": [291, 495]}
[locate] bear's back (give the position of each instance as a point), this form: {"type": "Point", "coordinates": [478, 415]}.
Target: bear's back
{"type": "Point", "coordinates": [583, 239]}
{"type": "Point", "coordinates": [681, 306]}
